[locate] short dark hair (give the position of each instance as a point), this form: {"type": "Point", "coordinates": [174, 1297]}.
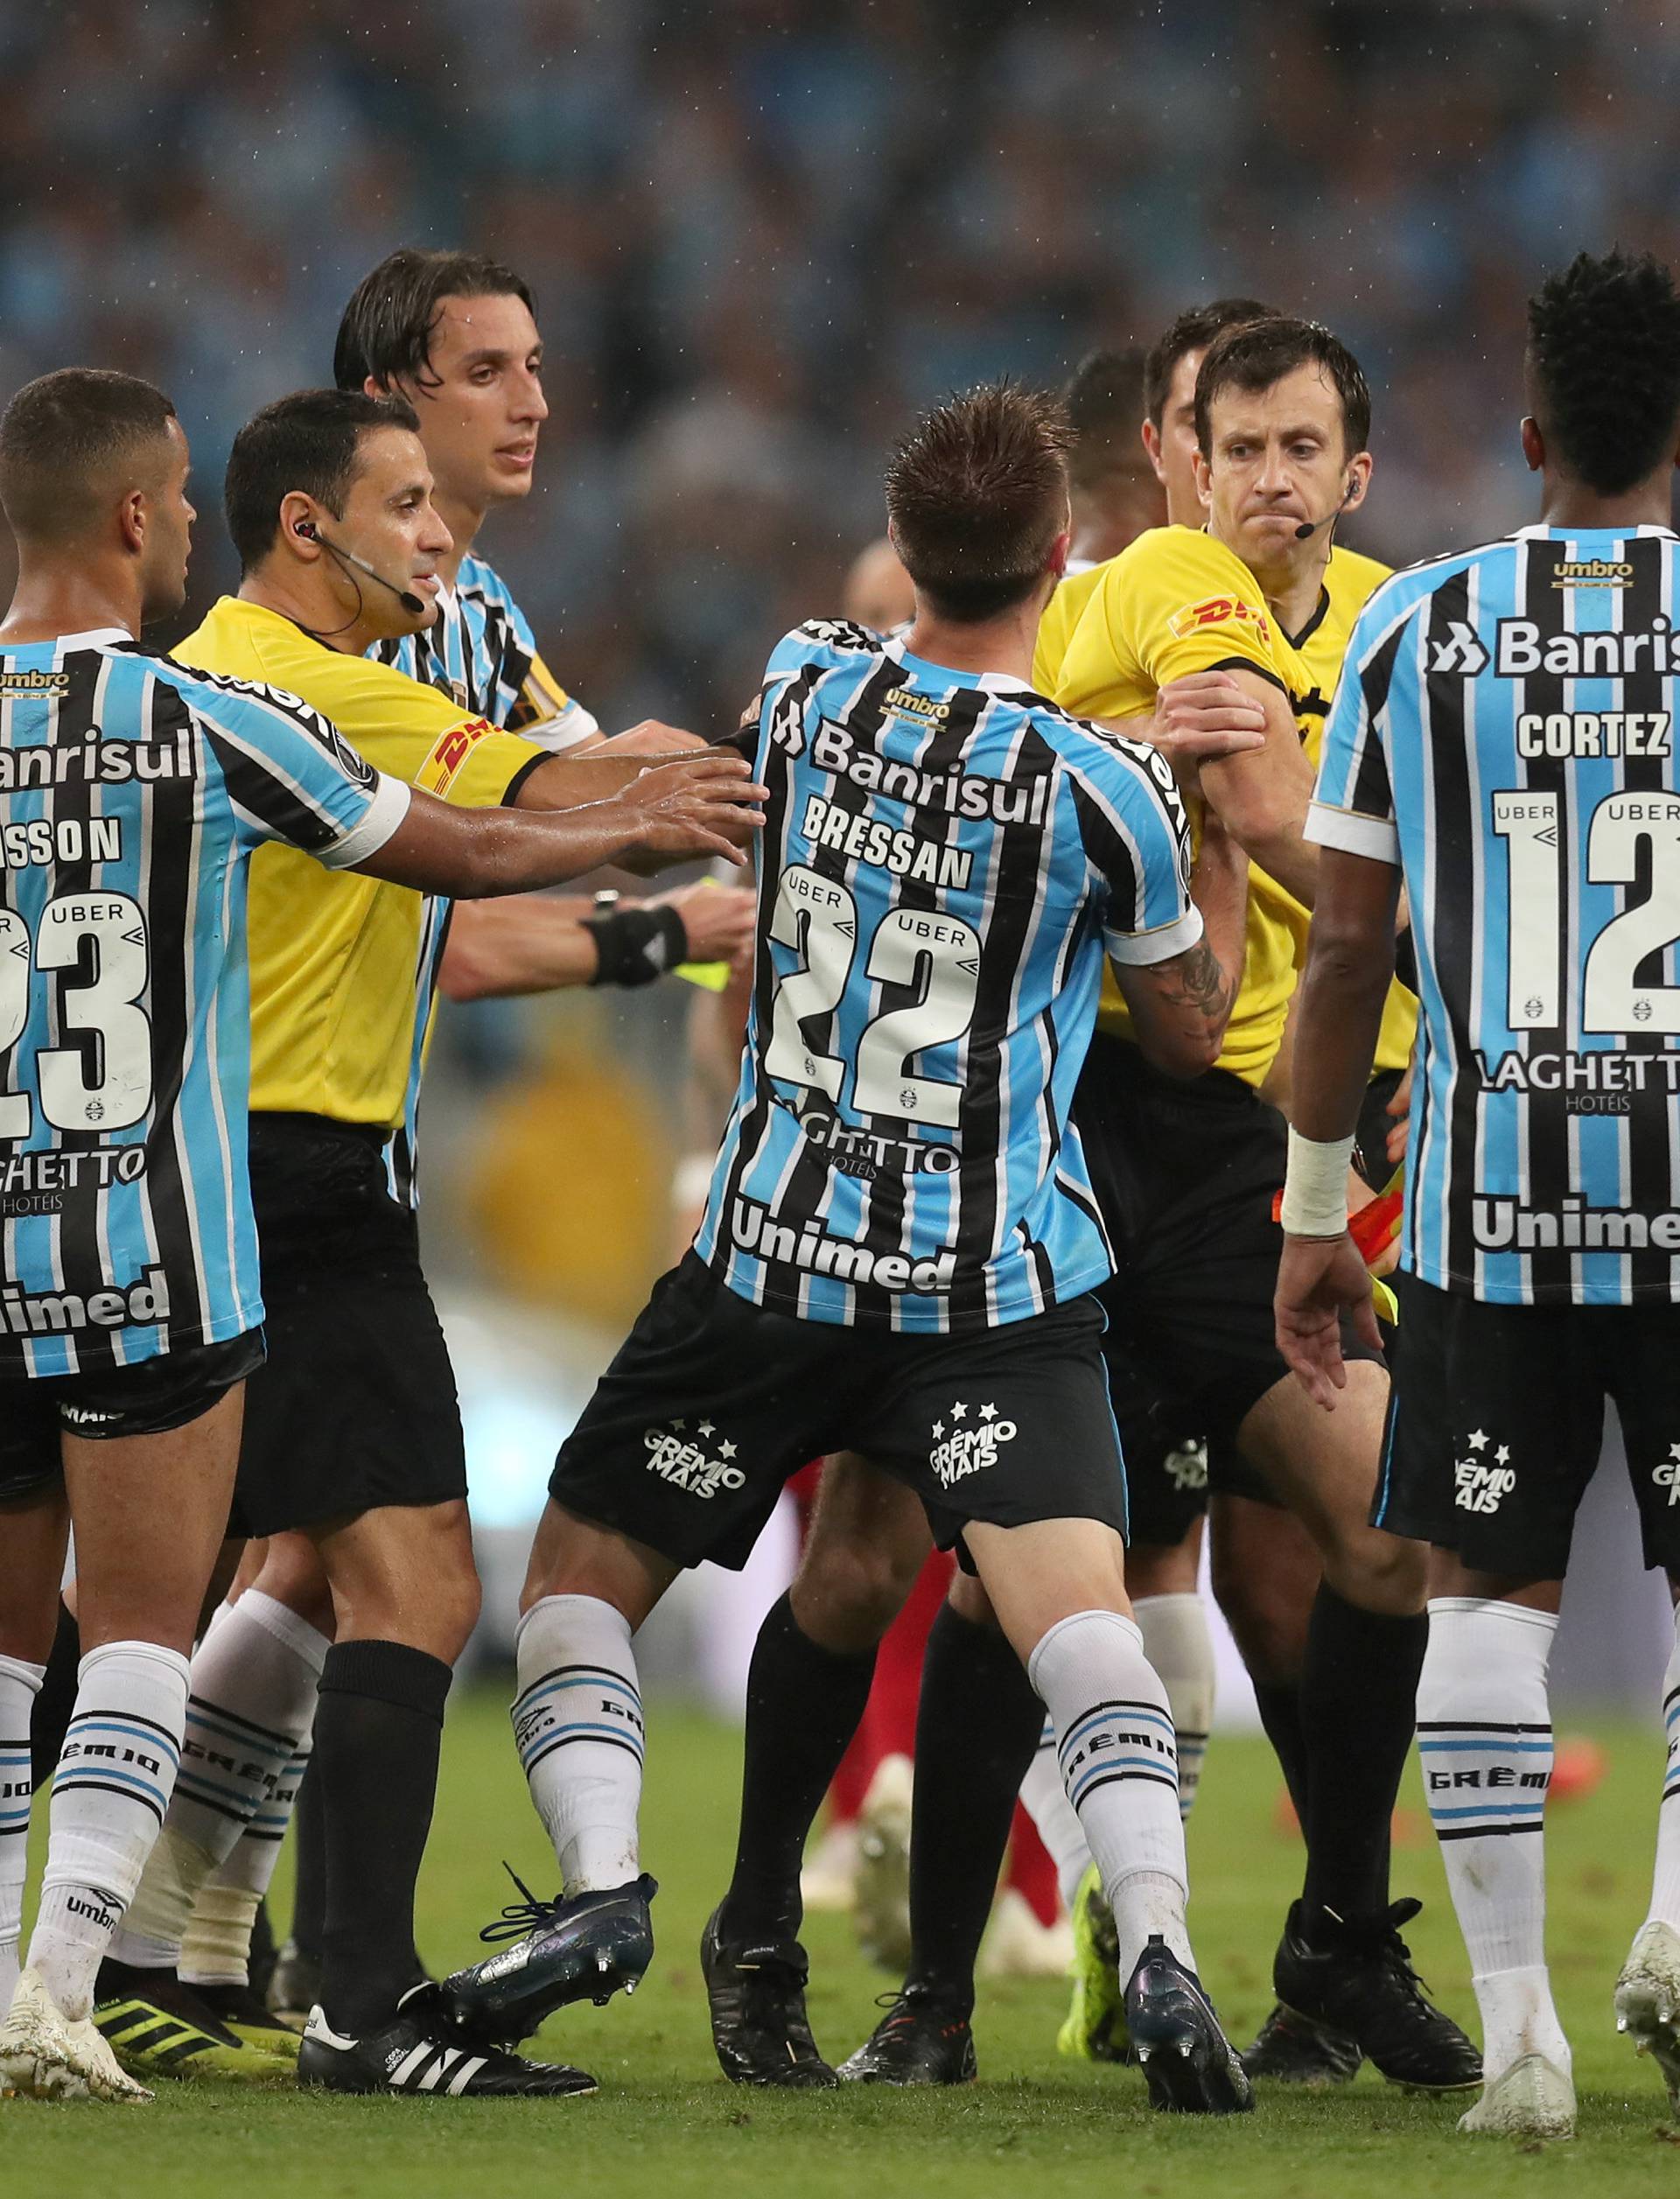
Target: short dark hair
{"type": "Point", "coordinates": [386, 329]}
{"type": "Point", "coordinates": [977, 492]}
{"type": "Point", "coordinates": [1256, 354]}
{"type": "Point", "coordinates": [309, 441]}
{"type": "Point", "coordinates": [63, 437]}
{"type": "Point", "coordinates": [1105, 409]}
{"type": "Point", "coordinates": [1193, 331]}
{"type": "Point", "coordinates": [1604, 352]}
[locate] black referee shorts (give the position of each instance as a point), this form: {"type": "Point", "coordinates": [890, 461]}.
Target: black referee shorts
{"type": "Point", "coordinates": [357, 1406]}
{"type": "Point", "coordinates": [1185, 1175]}
{"type": "Point", "coordinates": [712, 1403]}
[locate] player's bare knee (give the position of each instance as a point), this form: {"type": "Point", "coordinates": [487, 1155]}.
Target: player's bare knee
{"type": "Point", "coordinates": [575, 1557]}
{"type": "Point", "coordinates": [1378, 1571]}
{"type": "Point", "coordinates": [848, 1593]}
{"type": "Point", "coordinates": [293, 1575]}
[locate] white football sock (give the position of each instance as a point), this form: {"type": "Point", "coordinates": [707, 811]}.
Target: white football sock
{"type": "Point", "coordinates": [1665, 1887]}
{"type": "Point", "coordinates": [1055, 1819]}
{"type": "Point", "coordinates": [1119, 1764]}
{"type": "Point", "coordinates": [109, 1798]}
{"type": "Point", "coordinates": [1484, 1733]}
{"type": "Point", "coordinates": [254, 1681]}
{"type": "Point", "coordinates": [216, 1945]}
{"type": "Point", "coordinates": [578, 1730]}
{"type": "Point", "coordinates": [1179, 1644]}
{"type": "Point", "coordinates": [19, 1684]}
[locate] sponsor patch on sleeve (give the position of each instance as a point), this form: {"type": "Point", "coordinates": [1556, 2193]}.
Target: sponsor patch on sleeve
{"type": "Point", "coordinates": [1213, 611]}
{"type": "Point", "coordinates": [439, 772]}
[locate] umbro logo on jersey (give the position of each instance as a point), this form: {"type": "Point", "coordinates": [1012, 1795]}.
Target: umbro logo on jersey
{"type": "Point", "coordinates": [1485, 1479]}
{"type": "Point", "coordinates": [1461, 651]}
{"type": "Point", "coordinates": [959, 1449]}
{"type": "Point", "coordinates": [677, 1458]}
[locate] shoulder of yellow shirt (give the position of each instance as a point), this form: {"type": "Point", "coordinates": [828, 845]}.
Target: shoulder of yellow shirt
{"type": "Point", "coordinates": [412, 731]}
{"type": "Point", "coordinates": [1354, 578]}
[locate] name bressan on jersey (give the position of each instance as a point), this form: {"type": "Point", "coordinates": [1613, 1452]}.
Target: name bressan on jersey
{"type": "Point", "coordinates": [864, 839]}
{"type": "Point", "coordinates": [61, 840]}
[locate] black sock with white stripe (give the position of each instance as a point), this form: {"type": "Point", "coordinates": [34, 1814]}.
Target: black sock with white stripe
{"type": "Point", "coordinates": [1484, 1735]}
{"type": "Point", "coordinates": [1119, 1764]}
{"type": "Point", "coordinates": [377, 1735]}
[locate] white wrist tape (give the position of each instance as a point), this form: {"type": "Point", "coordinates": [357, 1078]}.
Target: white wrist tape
{"type": "Point", "coordinates": [1315, 1190]}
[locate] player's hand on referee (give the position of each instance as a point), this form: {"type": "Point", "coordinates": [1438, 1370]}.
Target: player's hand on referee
{"type": "Point", "coordinates": [1319, 1280]}
{"type": "Point", "coordinates": [1197, 719]}
{"type": "Point", "coordinates": [699, 805]}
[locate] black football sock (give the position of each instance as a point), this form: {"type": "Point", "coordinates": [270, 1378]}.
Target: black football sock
{"type": "Point", "coordinates": [977, 1728]}
{"type": "Point", "coordinates": [55, 1703]}
{"type": "Point", "coordinates": [803, 1705]}
{"type": "Point", "coordinates": [1280, 1713]}
{"type": "Point", "coordinates": [377, 1735]}
{"type": "Point", "coordinates": [1359, 1703]}
{"type": "Point", "coordinates": [308, 1861]}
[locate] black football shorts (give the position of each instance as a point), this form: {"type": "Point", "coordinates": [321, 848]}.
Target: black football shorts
{"type": "Point", "coordinates": [108, 1403]}
{"type": "Point", "coordinates": [1496, 1421]}
{"type": "Point", "coordinates": [357, 1406]}
{"type": "Point", "coordinates": [713, 1402]}
{"type": "Point", "coordinates": [1186, 1173]}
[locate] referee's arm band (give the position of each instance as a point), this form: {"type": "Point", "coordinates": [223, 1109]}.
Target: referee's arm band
{"type": "Point", "coordinates": [633, 946]}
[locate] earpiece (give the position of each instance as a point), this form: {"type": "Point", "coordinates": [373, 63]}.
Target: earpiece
{"type": "Point", "coordinates": [307, 529]}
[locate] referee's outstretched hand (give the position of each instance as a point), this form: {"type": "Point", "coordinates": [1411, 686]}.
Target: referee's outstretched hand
{"type": "Point", "coordinates": [1319, 1280]}
{"type": "Point", "coordinates": [706, 803]}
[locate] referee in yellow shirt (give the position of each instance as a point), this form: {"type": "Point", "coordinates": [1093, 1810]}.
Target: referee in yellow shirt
{"type": "Point", "coordinates": [353, 1435]}
{"type": "Point", "coordinates": [1282, 420]}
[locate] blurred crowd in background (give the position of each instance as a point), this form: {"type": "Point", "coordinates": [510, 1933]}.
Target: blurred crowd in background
{"type": "Point", "coordinates": [761, 233]}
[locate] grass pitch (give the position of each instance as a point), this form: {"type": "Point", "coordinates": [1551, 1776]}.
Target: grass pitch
{"type": "Point", "coordinates": [665, 2123]}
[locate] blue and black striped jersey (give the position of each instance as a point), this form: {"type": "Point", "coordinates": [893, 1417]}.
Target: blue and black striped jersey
{"type": "Point", "coordinates": [946, 857]}
{"type": "Point", "coordinates": [1503, 733]}
{"type": "Point", "coordinates": [481, 652]}
{"type": "Point", "coordinates": [132, 795]}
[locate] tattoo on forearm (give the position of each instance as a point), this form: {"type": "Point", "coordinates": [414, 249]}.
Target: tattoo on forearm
{"type": "Point", "coordinates": [1199, 984]}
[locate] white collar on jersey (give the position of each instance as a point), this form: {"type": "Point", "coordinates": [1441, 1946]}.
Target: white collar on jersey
{"type": "Point", "coordinates": [993, 682]}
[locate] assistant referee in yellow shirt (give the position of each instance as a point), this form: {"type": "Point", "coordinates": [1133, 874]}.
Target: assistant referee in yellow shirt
{"type": "Point", "coordinates": [354, 1434]}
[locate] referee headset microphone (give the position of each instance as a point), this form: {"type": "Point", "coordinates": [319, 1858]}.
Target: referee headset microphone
{"type": "Point", "coordinates": [410, 602]}
{"type": "Point", "coordinates": [1308, 527]}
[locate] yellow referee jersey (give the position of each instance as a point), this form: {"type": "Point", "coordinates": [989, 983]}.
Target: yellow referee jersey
{"type": "Point", "coordinates": [339, 982]}
{"type": "Point", "coordinates": [1177, 601]}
